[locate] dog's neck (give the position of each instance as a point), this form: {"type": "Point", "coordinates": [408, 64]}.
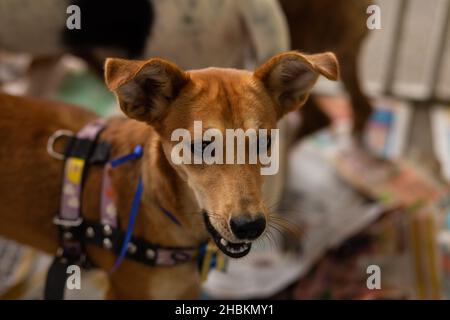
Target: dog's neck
{"type": "Point", "coordinates": [170, 192]}
{"type": "Point", "coordinates": [163, 189]}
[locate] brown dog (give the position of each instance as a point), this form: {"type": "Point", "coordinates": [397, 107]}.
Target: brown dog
{"type": "Point", "coordinates": [340, 26]}
{"type": "Point", "coordinates": [159, 97]}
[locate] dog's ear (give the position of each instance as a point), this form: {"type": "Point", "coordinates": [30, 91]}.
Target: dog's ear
{"type": "Point", "coordinates": [144, 89]}
{"type": "Point", "coordinates": [290, 76]}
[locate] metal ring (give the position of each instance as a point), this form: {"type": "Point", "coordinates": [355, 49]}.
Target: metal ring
{"type": "Point", "coordinates": [53, 138]}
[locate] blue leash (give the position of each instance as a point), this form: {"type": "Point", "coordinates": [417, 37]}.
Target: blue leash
{"type": "Point", "coordinates": [170, 216]}
{"type": "Point", "coordinates": [136, 154]}
{"type": "Point", "coordinates": [131, 221]}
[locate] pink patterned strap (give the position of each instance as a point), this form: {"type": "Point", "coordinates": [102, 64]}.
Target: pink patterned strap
{"type": "Point", "coordinates": [73, 175]}
{"type": "Point", "coordinates": [91, 130]}
{"type": "Point", "coordinates": [108, 210]}
{"type": "Point", "coordinates": [172, 257]}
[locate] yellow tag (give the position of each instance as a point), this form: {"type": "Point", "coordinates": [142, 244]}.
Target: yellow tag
{"type": "Point", "coordinates": [75, 170]}
{"type": "Point", "coordinates": [206, 264]}
{"type": "Point", "coordinates": [210, 252]}
{"type": "Point", "coordinates": [220, 261]}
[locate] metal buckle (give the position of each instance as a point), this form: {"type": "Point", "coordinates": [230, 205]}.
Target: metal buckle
{"type": "Point", "coordinates": [53, 138]}
{"type": "Point", "coordinates": [67, 223]}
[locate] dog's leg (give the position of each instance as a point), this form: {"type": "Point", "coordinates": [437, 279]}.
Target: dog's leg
{"type": "Point", "coordinates": [137, 281]}
{"type": "Point", "coordinates": [313, 118]}
{"type": "Point", "coordinates": [360, 103]}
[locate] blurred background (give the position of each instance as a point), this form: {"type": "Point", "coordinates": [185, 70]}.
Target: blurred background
{"type": "Point", "coordinates": [366, 161]}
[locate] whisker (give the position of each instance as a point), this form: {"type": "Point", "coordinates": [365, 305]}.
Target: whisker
{"type": "Point", "coordinates": [274, 204]}
{"type": "Point", "coordinates": [270, 240]}
{"type": "Point", "coordinates": [288, 211]}
{"type": "Point", "coordinates": [282, 224]}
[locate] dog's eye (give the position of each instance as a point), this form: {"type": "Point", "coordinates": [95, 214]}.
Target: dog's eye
{"type": "Point", "coordinates": [264, 143]}
{"type": "Point", "coordinates": [199, 149]}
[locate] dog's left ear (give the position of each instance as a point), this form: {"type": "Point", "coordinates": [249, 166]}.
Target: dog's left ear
{"type": "Point", "coordinates": [144, 88]}
{"type": "Point", "coordinates": [290, 76]}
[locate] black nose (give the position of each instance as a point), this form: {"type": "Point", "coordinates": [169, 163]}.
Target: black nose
{"type": "Point", "coordinates": [248, 227]}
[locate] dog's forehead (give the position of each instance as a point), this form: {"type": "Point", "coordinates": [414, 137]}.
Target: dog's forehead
{"type": "Point", "coordinates": [219, 74]}
{"type": "Point", "coordinates": [226, 98]}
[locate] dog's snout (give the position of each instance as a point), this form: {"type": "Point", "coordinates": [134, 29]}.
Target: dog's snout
{"type": "Point", "coordinates": [248, 227]}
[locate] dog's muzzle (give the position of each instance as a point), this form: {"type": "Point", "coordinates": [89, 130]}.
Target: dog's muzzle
{"type": "Point", "coordinates": [233, 250]}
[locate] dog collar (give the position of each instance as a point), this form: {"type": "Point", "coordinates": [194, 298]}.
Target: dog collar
{"type": "Point", "coordinates": [75, 232]}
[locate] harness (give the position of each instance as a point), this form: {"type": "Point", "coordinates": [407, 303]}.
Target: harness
{"type": "Point", "coordinates": [74, 232]}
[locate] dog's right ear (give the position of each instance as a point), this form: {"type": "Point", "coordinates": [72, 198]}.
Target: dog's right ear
{"type": "Point", "coordinates": [144, 89]}
{"type": "Point", "coordinates": [290, 76]}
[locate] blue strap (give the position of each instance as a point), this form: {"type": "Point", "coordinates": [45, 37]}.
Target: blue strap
{"type": "Point", "coordinates": [137, 153]}
{"type": "Point", "coordinates": [131, 221]}
{"type": "Point", "coordinates": [170, 216]}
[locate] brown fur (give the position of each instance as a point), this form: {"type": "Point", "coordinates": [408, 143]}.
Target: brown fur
{"type": "Point", "coordinates": [158, 93]}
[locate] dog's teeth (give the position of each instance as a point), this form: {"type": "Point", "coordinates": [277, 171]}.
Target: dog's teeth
{"type": "Point", "coordinates": [224, 242]}
{"type": "Point", "coordinates": [237, 250]}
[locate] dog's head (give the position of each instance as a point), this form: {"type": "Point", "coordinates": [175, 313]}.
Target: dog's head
{"type": "Point", "coordinates": [170, 99]}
